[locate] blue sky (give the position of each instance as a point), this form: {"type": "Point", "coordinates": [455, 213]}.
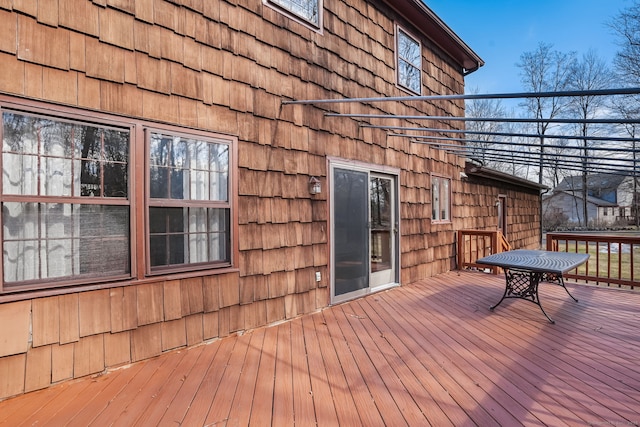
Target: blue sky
{"type": "Point", "coordinates": [501, 30]}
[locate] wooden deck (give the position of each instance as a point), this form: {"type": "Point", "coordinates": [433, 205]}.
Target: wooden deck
{"type": "Point", "coordinates": [430, 353]}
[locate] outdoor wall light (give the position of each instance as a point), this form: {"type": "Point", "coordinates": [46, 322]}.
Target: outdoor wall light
{"type": "Point", "coordinates": [314, 185]}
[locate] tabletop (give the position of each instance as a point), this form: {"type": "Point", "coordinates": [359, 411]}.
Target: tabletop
{"type": "Point", "coordinates": [538, 261]}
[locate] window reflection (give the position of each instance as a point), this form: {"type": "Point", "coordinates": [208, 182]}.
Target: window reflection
{"type": "Point", "coordinates": [188, 169]}
{"type": "Point", "coordinates": [45, 157]}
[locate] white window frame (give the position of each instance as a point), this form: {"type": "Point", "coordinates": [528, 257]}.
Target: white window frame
{"type": "Point", "coordinates": [408, 62]}
{"type": "Point", "coordinates": [440, 198]}
{"type": "Point", "coordinates": [292, 9]}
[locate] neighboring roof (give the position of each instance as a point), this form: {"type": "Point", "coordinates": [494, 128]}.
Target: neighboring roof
{"type": "Point", "coordinates": [593, 200]}
{"type": "Point", "coordinates": [484, 172]}
{"type": "Point", "coordinates": [595, 181]}
{"type": "Point", "coordinates": [432, 26]}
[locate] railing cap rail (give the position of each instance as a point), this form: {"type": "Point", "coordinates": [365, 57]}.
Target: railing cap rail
{"type": "Point", "coordinates": [613, 238]}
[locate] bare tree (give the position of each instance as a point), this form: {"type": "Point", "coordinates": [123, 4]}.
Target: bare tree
{"type": "Point", "coordinates": [589, 73]}
{"type": "Point", "coordinates": [484, 140]}
{"type": "Point", "coordinates": [626, 25]}
{"type": "Point", "coordinates": [628, 107]}
{"type": "Point", "coordinates": [545, 70]}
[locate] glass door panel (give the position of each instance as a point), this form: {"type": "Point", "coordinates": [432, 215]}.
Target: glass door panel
{"type": "Point", "coordinates": [382, 230]}
{"type": "Point", "coordinates": [350, 232]}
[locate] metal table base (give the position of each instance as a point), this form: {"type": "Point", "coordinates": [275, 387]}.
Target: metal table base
{"type": "Point", "coordinates": [523, 284]}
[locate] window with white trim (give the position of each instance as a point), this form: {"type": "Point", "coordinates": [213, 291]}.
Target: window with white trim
{"type": "Point", "coordinates": [307, 10]}
{"type": "Point", "coordinates": [440, 198]}
{"type": "Point", "coordinates": [409, 61]}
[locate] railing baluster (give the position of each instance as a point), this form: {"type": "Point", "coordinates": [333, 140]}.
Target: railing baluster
{"type": "Point", "coordinates": [595, 269]}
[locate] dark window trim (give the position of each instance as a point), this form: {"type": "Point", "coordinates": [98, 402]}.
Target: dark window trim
{"type": "Point", "coordinates": [232, 142]}
{"type": "Point", "coordinates": [136, 200]}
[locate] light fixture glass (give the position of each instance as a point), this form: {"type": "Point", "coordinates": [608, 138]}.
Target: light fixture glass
{"type": "Point", "coordinates": [314, 185]}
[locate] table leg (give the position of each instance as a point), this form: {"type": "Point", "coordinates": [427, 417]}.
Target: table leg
{"type": "Point", "coordinates": [558, 280]}
{"type": "Point", "coordinates": [523, 285]}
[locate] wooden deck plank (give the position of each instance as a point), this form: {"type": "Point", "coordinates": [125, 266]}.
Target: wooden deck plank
{"type": "Point", "coordinates": [283, 390]}
{"type": "Point", "coordinates": [512, 394]}
{"type": "Point", "coordinates": [135, 397]}
{"type": "Point", "coordinates": [343, 400]}
{"type": "Point", "coordinates": [303, 408]}
{"type": "Point", "coordinates": [356, 382]}
{"type": "Point", "coordinates": [529, 353]}
{"type": "Point", "coordinates": [376, 384]}
{"type": "Point", "coordinates": [324, 408]}
{"type": "Point", "coordinates": [586, 370]}
{"type": "Point", "coordinates": [177, 409]}
{"type": "Point", "coordinates": [150, 404]}
{"type": "Point", "coordinates": [223, 398]}
{"type": "Point", "coordinates": [426, 353]}
{"type": "Point", "coordinates": [394, 389]}
{"type": "Point", "coordinates": [199, 406]}
{"type": "Point", "coordinates": [99, 392]}
{"type": "Point", "coordinates": [463, 389]}
{"type": "Point", "coordinates": [243, 398]}
{"type": "Point", "coordinates": [44, 408]}
{"type": "Point", "coordinates": [262, 405]}
{"type": "Point", "coordinates": [434, 400]}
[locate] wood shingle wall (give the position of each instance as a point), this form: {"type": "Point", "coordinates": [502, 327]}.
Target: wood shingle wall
{"type": "Point", "coordinates": [223, 67]}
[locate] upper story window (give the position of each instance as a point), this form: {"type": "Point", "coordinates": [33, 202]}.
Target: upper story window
{"type": "Point", "coordinates": [70, 198]}
{"type": "Point", "coordinates": [440, 199]}
{"type": "Point", "coordinates": [409, 60]}
{"type": "Point", "coordinates": [307, 10]}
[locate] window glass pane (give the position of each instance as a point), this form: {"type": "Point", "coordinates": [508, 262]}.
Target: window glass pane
{"type": "Point", "coordinates": [59, 240]}
{"type": "Point", "coordinates": [409, 62]}
{"type": "Point", "coordinates": [179, 177]}
{"type": "Point", "coordinates": [87, 141]}
{"type": "Point", "coordinates": [188, 236]}
{"type": "Point", "coordinates": [219, 237]}
{"type": "Point", "coordinates": [220, 172]}
{"type": "Point", "coordinates": [20, 174]}
{"type": "Point", "coordinates": [188, 169]}
{"type": "Point", "coordinates": [408, 49]}
{"type": "Point", "coordinates": [19, 133]}
{"type": "Point", "coordinates": [159, 182]}
{"type": "Point", "coordinates": [159, 150]}
{"type": "Point", "coordinates": [115, 180]}
{"type": "Point", "coordinates": [444, 199]}
{"type": "Point", "coordinates": [46, 157]}
{"type": "Point", "coordinates": [409, 76]}
{"type": "Point", "coordinates": [116, 154]}
{"type": "Point", "coordinates": [90, 178]}
{"type": "Point", "coordinates": [435, 198]}
{"type": "Point", "coordinates": [306, 9]}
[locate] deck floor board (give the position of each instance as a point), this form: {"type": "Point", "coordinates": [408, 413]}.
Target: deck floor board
{"type": "Point", "coordinates": [429, 353]}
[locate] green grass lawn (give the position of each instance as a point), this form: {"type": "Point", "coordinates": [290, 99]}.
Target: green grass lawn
{"type": "Point", "coordinates": [608, 260]}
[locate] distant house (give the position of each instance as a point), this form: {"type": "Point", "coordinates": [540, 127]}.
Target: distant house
{"type": "Point", "coordinates": [610, 199]}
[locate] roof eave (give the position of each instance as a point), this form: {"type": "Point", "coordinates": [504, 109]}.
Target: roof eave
{"type": "Point", "coordinates": [483, 172]}
{"type": "Point", "coordinates": [439, 32]}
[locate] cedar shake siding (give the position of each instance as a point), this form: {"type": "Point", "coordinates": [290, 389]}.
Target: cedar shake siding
{"type": "Point", "coordinates": [154, 77]}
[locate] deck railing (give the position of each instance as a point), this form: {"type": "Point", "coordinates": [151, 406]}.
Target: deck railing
{"type": "Point", "coordinates": [475, 244]}
{"type": "Point", "coordinates": [615, 260]}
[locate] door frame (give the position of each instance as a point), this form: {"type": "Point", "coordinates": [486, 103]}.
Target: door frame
{"type": "Point", "coordinates": [378, 170]}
